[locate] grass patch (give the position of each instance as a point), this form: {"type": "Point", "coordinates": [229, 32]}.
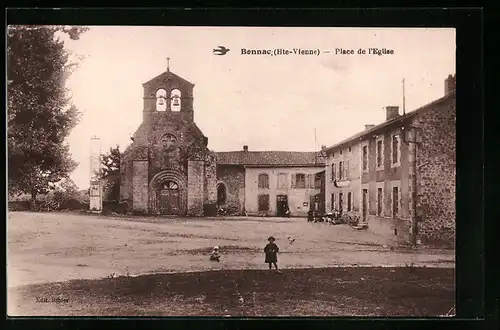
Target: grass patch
{"type": "Point", "coordinates": [407, 291]}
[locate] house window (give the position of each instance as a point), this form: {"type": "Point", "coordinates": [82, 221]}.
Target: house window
{"type": "Point", "coordinates": [395, 149]}
{"type": "Point", "coordinates": [282, 180]}
{"type": "Point", "coordinates": [349, 201]}
{"type": "Point", "coordinates": [341, 172]}
{"type": "Point", "coordinates": [341, 151]}
{"type": "Point", "coordinates": [365, 158]}
{"type": "Point", "coordinates": [395, 202]}
{"type": "Point", "coordinates": [175, 100]}
{"type": "Point", "coordinates": [299, 180]}
{"type": "Point", "coordinates": [379, 201]}
{"type": "Point", "coordinates": [379, 153]}
{"type": "Point", "coordinates": [346, 169]}
{"type": "Point", "coordinates": [333, 171]}
{"type": "Point", "coordinates": [349, 149]}
{"type": "Point", "coordinates": [263, 203]}
{"type": "Point", "coordinates": [161, 103]}
{"type": "Point", "coordinates": [333, 201]}
{"type": "Point", "coordinates": [263, 181]}
{"type": "Point", "coordinates": [317, 181]}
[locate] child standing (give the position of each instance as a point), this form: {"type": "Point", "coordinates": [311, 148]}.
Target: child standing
{"type": "Point", "coordinates": [271, 250]}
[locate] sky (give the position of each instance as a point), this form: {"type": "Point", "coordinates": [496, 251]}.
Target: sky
{"type": "Point", "coordinates": [289, 102]}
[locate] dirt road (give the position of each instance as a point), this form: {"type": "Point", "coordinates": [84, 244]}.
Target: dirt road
{"type": "Point", "coordinates": [50, 247]}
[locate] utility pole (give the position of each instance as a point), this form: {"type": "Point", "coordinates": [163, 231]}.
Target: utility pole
{"type": "Point", "coordinates": [404, 99]}
{"type": "Point", "coordinates": [95, 194]}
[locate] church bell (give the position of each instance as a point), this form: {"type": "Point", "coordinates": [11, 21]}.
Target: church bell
{"type": "Point", "coordinates": [176, 101]}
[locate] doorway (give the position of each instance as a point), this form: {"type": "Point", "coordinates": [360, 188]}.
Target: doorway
{"type": "Point", "coordinates": [221, 194]}
{"type": "Point", "coordinates": [169, 198]}
{"type": "Point", "coordinates": [365, 204]}
{"type": "Point", "coordinates": [341, 203]}
{"type": "Point", "coordinates": [281, 205]}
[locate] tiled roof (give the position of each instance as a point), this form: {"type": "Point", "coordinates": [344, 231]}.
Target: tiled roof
{"type": "Point", "coordinates": [168, 75]}
{"type": "Point", "coordinates": [269, 158]}
{"type": "Point", "coordinates": [390, 122]}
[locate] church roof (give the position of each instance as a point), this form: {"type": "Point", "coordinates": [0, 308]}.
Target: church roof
{"type": "Point", "coordinates": [168, 75]}
{"type": "Point", "coordinates": [269, 158]}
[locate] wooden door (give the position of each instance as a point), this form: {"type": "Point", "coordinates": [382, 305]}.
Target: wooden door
{"type": "Point", "coordinates": [169, 199]}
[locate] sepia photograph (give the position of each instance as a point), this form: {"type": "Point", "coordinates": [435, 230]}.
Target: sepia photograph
{"type": "Point", "coordinates": [230, 171]}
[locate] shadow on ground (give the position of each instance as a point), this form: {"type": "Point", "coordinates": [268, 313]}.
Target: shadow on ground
{"type": "Point", "coordinates": [357, 291]}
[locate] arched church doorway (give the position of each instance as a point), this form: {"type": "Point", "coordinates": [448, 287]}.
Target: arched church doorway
{"type": "Point", "coordinates": [169, 198]}
{"type": "Point", "coordinates": [221, 194]}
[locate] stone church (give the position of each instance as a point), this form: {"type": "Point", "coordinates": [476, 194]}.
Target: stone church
{"type": "Point", "coordinates": [169, 170]}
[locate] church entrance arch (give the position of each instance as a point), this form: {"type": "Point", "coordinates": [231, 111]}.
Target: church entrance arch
{"type": "Point", "coordinates": [168, 193]}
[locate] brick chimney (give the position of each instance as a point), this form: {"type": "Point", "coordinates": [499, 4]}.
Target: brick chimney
{"type": "Point", "coordinates": [368, 126]}
{"type": "Point", "coordinates": [392, 112]}
{"type": "Point", "coordinates": [450, 84]}
{"type": "Point", "coordinates": [245, 148]}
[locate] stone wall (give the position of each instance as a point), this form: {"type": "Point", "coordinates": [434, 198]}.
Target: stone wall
{"type": "Point", "coordinates": [233, 177]}
{"type": "Point", "coordinates": [394, 229]}
{"type": "Point", "coordinates": [195, 188]}
{"type": "Point", "coordinates": [436, 173]}
{"type": "Point", "coordinates": [140, 186]}
{"type": "Point", "coordinates": [210, 179]}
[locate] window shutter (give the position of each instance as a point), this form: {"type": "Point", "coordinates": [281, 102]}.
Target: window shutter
{"type": "Point", "coordinates": [309, 181]}
{"type": "Point", "coordinates": [294, 180]}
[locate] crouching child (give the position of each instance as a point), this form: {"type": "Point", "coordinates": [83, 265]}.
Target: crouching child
{"type": "Point", "coordinates": [215, 255]}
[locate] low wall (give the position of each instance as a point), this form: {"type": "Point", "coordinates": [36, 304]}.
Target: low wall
{"type": "Point", "coordinates": [392, 228]}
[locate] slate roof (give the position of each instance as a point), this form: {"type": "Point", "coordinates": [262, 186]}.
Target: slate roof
{"type": "Point", "coordinates": [269, 158]}
{"type": "Point", "coordinates": [387, 123]}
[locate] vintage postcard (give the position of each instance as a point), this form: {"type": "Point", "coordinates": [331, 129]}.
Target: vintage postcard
{"type": "Point", "coordinates": [231, 171]}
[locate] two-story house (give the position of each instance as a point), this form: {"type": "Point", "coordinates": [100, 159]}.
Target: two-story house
{"type": "Point", "coordinates": [399, 176]}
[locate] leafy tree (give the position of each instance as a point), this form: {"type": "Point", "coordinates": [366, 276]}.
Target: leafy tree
{"type": "Point", "coordinates": [40, 113]}
{"type": "Point", "coordinates": [110, 174]}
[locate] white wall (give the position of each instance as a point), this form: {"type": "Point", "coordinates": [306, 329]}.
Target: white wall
{"type": "Point", "coordinates": [296, 196]}
{"type": "Point", "coordinates": [353, 179]}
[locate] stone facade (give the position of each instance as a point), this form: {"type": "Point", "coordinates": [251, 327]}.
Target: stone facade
{"type": "Point", "coordinates": [401, 170]}
{"type": "Point", "coordinates": [196, 177]}
{"type": "Point", "coordinates": [436, 170]}
{"type": "Point", "coordinates": [164, 170]}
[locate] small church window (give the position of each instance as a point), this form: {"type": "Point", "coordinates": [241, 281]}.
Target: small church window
{"type": "Point", "coordinates": [175, 97]}
{"type": "Point", "coordinates": [171, 185]}
{"type": "Point", "coordinates": [168, 140]}
{"type": "Point", "coordinates": [161, 96]}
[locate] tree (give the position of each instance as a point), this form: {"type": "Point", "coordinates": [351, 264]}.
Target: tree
{"type": "Point", "coordinates": [110, 174]}
{"type": "Point", "coordinates": [40, 113]}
